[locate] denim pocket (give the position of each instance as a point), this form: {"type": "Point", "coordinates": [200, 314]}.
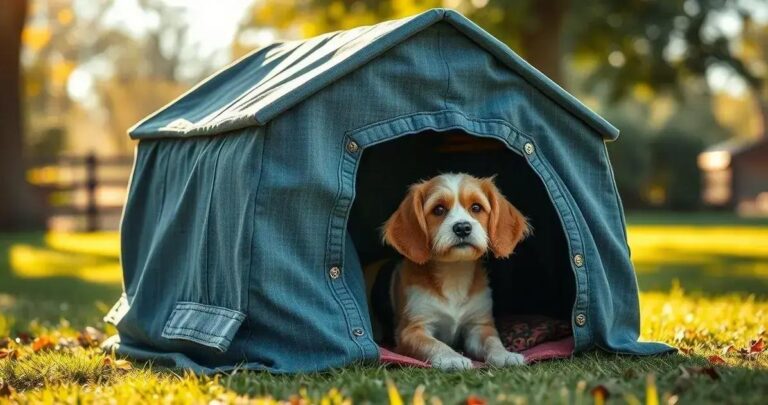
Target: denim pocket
{"type": "Point", "coordinates": [207, 325]}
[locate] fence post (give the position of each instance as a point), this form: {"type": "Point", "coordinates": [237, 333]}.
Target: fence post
{"type": "Point", "coordinates": [92, 211]}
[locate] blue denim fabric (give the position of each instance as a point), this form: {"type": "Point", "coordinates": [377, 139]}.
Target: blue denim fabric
{"type": "Point", "coordinates": [242, 189]}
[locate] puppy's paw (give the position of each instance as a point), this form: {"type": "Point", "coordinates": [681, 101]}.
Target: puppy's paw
{"type": "Point", "coordinates": [451, 362]}
{"type": "Point", "coordinates": [503, 358]}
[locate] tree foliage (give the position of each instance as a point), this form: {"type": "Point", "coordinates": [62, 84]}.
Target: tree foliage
{"type": "Point", "coordinates": [629, 46]}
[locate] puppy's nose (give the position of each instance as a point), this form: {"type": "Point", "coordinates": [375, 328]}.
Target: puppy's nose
{"type": "Point", "coordinates": [462, 229]}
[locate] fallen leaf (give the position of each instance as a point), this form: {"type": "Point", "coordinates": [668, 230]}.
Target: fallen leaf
{"type": "Point", "coordinates": [651, 392]}
{"type": "Point", "coordinates": [685, 381]}
{"type": "Point", "coordinates": [5, 342]}
{"type": "Point", "coordinates": [23, 338]}
{"type": "Point", "coordinates": [394, 395]}
{"type": "Point", "coordinates": [710, 372]}
{"type": "Point", "coordinates": [418, 396]}
{"type": "Point", "coordinates": [686, 350]}
{"type": "Point", "coordinates": [729, 349]}
{"type": "Point", "coordinates": [475, 400]}
{"type": "Point", "coordinates": [600, 393]}
{"type": "Point", "coordinates": [117, 364]}
{"type": "Point", "coordinates": [42, 343]}
{"type": "Point", "coordinates": [90, 337]}
{"type": "Point", "coordinates": [605, 390]}
{"type": "Point", "coordinates": [5, 389]}
{"type": "Point", "coordinates": [757, 346]}
{"type": "Point", "coordinates": [10, 354]}
{"type": "Point", "coordinates": [717, 360]}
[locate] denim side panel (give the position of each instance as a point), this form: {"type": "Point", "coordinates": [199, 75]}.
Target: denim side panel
{"type": "Point", "coordinates": [186, 236]}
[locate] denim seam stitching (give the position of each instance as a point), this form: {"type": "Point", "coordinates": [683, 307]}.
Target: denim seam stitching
{"type": "Point", "coordinates": [446, 93]}
{"type": "Point", "coordinates": [329, 241]}
{"type": "Point", "coordinates": [180, 330]}
{"type": "Point", "coordinates": [208, 222]}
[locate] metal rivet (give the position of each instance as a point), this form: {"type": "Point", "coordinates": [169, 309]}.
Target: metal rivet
{"type": "Point", "coordinates": [334, 272]}
{"type": "Point", "coordinates": [528, 148]}
{"type": "Point", "coordinates": [578, 260]}
{"type": "Point", "coordinates": [358, 332]}
{"type": "Point", "coordinates": [352, 147]}
{"type": "Point", "coordinates": [581, 319]}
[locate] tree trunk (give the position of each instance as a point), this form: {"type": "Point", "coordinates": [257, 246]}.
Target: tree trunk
{"type": "Point", "coordinates": [18, 207]}
{"type": "Point", "coordinates": [762, 106]}
{"type": "Point", "coordinates": [542, 40]}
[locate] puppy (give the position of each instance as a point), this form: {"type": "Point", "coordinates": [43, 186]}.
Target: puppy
{"type": "Point", "coordinates": [439, 292]}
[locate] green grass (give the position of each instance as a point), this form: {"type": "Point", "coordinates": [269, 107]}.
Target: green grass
{"type": "Point", "coordinates": [705, 288]}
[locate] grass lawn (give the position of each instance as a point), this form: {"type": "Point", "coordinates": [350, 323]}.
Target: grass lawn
{"type": "Point", "coordinates": [705, 289]}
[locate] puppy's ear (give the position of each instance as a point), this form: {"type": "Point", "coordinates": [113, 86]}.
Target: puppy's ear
{"type": "Point", "coordinates": [406, 229]}
{"type": "Point", "coordinates": [506, 225]}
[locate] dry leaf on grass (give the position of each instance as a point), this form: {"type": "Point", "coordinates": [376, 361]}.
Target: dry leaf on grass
{"type": "Point", "coordinates": [23, 338]}
{"type": "Point", "coordinates": [605, 390]}
{"type": "Point", "coordinates": [756, 347]}
{"type": "Point", "coordinates": [43, 343]}
{"type": "Point", "coordinates": [717, 360]}
{"type": "Point", "coordinates": [729, 349]}
{"type": "Point", "coordinates": [600, 394]}
{"type": "Point", "coordinates": [10, 354]}
{"type": "Point", "coordinates": [90, 337]}
{"type": "Point", "coordinates": [685, 381]}
{"type": "Point", "coordinates": [117, 364]}
{"type": "Point", "coordinates": [5, 389]}
{"type": "Point", "coordinates": [475, 400]}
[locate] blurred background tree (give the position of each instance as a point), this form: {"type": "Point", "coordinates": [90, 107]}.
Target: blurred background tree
{"type": "Point", "coordinates": [18, 208]}
{"type": "Point", "coordinates": [624, 58]}
{"type": "Point", "coordinates": [681, 74]}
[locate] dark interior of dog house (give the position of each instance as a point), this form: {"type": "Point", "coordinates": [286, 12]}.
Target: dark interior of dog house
{"type": "Point", "coordinates": [536, 280]}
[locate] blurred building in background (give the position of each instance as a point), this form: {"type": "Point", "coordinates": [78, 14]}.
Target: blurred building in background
{"type": "Point", "coordinates": [736, 176]}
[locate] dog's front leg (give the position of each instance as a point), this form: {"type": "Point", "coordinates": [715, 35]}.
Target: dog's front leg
{"type": "Point", "coordinates": [482, 342]}
{"type": "Point", "coordinates": [414, 340]}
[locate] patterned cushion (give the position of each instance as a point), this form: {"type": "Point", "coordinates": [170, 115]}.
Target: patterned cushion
{"type": "Point", "coordinates": [520, 332]}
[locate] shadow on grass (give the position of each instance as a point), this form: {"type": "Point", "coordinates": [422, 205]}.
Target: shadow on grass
{"type": "Point", "coordinates": [48, 299]}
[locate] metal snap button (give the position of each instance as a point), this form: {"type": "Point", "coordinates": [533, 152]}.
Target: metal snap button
{"type": "Point", "coordinates": [578, 260]}
{"type": "Point", "coordinates": [352, 147]}
{"type": "Point", "coordinates": [529, 149]}
{"type": "Point", "coordinates": [358, 332]}
{"type": "Point", "coordinates": [581, 319]}
{"type": "Point", "coordinates": [334, 272]}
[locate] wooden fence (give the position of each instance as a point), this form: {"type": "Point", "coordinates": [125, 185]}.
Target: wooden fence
{"type": "Point", "coordinates": [82, 192]}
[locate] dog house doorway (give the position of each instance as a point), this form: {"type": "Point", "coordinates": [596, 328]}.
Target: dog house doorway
{"type": "Point", "coordinates": [536, 280]}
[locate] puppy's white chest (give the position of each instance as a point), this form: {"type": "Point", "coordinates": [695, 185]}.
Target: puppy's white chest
{"type": "Point", "coordinates": [445, 316]}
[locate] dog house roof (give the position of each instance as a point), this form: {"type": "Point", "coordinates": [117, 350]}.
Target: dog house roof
{"type": "Point", "coordinates": [264, 84]}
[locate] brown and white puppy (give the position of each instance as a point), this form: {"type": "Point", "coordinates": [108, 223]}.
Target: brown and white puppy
{"type": "Point", "coordinates": [439, 292]}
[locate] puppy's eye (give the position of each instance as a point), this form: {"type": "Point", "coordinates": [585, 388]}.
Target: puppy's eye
{"type": "Point", "coordinates": [438, 210]}
{"type": "Point", "coordinates": [476, 207]}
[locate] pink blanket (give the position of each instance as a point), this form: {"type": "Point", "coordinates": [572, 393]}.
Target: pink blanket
{"type": "Point", "coordinates": [536, 338]}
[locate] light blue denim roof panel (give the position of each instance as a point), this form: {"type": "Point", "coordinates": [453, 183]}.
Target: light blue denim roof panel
{"type": "Point", "coordinates": [266, 83]}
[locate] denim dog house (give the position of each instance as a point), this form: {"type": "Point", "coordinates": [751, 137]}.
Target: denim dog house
{"type": "Point", "coordinates": [256, 198]}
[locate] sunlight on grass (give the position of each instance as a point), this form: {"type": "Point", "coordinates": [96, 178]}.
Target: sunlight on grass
{"type": "Point", "coordinates": [91, 257]}
{"type": "Point", "coordinates": [705, 291]}
{"type": "Point", "coordinates": [96, 243]}
{"type": "Point", "coordinates": [669, 244]}
{"type": "Point", "coordinates": [702, 323]}
{"type": "Point", "coordinates": [708, 259]}
{"type": "Point", "coordinates": [31, 262]}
